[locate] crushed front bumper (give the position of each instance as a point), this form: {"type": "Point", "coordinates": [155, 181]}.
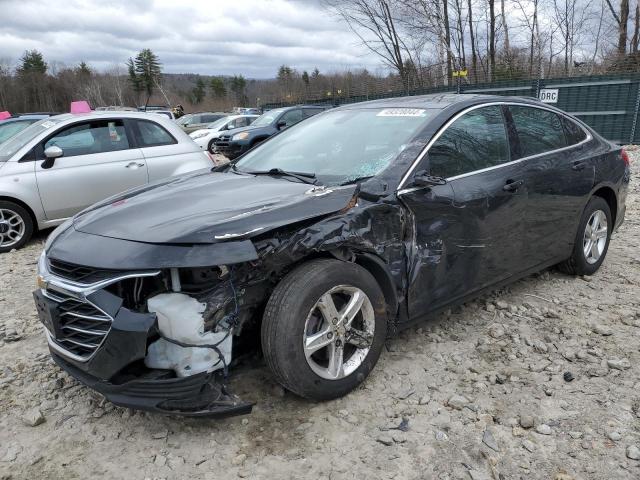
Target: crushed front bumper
{"type": "Point", "coordinates": [98, 341]}
{"type": "Point", "coordinates": [198, 395]}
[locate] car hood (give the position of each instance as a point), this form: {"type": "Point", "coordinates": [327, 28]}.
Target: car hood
{"type": "Point", "coordinates": [209, 207]}
{"type": "Point", "coordinates": [202, 130]}
{"type": "Point", "coordinates": [249, 129]}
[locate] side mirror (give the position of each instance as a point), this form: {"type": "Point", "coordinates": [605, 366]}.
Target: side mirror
{"type": "Point", "coordinates": [281, 124]}
{"type": "Point", "coordinates": [51, 153]}
{"type": "Point", "coordinates": [423, 179]}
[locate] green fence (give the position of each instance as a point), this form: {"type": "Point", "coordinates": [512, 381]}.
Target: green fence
{"type": "Point", "coordinates": [608, 103]}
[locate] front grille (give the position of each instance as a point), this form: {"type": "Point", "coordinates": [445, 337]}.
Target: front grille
{"type": "Point", "coordinates": [79, 273]}
{"type": "Point", "coordinates": [82, 324]}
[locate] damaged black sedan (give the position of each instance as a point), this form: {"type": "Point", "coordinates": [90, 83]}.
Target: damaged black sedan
{"type": "Point", "coordinates": [320, 243]}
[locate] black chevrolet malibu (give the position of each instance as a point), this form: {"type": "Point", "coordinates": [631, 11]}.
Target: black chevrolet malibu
{"type": "Point", "coordinates": [320, 243]}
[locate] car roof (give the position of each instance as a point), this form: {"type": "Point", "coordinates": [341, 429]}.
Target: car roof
{"type": "Point", "coordinates": [24, 117]}
{"type": "Point", "coordinates": [107, 114]}
{"type": "Point", "coordinates": [438, 101]}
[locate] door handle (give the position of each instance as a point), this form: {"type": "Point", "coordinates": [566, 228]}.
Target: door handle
{"type": "Point", "coordinates": [134, 165]}
{"type": "Point", "coordinates": [579, 165]}
{"type": "Point", "coordinates": [512, 185]}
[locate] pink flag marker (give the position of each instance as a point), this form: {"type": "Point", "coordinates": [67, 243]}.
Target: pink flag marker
{"type": "Point", "coordinates": [4, 115]}
{"type": "Point", "coordinates": [81, 106]}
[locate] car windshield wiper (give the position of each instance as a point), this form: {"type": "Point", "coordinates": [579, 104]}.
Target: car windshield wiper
{"type": "Point", "coordinates": [304, 177]}
{"type": "Point", "coordinates": [356, 180]}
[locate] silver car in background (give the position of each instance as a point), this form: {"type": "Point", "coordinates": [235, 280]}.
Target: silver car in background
{"type": "Point", "coordinates": [58, 166]}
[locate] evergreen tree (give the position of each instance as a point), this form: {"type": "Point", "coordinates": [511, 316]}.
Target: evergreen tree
{"type": "Point", "coordinates": [145, 73]}
{"type": "Point", "coordinates": [198, 92]}
{"type": "Point", "coordinates": [217, 88]}
{"type": "Point", "coordinates": [238, 84]}
{"type": "Point", "coordinates": [32, 62]}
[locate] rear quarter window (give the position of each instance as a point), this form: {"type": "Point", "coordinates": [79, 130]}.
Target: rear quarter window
{"type": "Point", "coordinates": [151, 134]}
{"type": "Point", "coordinates": [538, 130]}
{"type": "Point", "coordinates": [574, 133]}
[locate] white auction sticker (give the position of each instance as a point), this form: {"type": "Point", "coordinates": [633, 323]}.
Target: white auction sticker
{"type": "Point", "coordinates": [47, 124]}
{"type": "Point", "coordinates": [402, 112]}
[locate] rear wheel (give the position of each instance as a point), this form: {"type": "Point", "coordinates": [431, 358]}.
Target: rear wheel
{"type": "Point", "coordinates": [592, 239]}
{"type": "Point", "coordinates": [323, 328]}
{"type": "Point", "coordinates": [16, 226]}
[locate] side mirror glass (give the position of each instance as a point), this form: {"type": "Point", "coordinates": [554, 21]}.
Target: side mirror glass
{"type": "Point", "coordinates": [281, 124]}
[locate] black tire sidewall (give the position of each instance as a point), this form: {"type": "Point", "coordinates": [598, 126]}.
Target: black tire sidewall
{"type": "Point", "coordinates": [26, 218]}
{"type": "Point", "coordinates": [210, 146]}
{"type": "Point", "coordinates": [291, 319]}
{"type": "Point", "coordinates": [582, 267]}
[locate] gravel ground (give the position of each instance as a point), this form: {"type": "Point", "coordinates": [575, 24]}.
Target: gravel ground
{"type": "Point", "coordinates": [538, 380]}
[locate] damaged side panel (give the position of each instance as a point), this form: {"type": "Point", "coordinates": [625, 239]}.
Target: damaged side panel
{"type": "Point", "coordinates": [367, 228]}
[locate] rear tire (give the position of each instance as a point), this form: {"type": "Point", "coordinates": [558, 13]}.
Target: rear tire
{"type": "Point", "coordinates": [294, 326]}
{"type": "Point", "coordinates": [16, 226]}
{"type": "Point", "coordinates": [592, 239]}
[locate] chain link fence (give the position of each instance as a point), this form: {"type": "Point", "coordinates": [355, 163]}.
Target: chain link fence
{"type": "Point", "coordinates": [608, 102]}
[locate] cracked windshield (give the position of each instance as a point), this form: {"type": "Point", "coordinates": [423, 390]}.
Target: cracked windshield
{"type": "Point", "coordinates": [341, 146]}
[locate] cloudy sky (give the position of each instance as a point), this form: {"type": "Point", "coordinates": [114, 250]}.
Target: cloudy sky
{"type": "Point", "coordinates": [251, 37]}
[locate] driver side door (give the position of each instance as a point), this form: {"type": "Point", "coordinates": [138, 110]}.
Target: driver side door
{"type": "Point", "coordinates": [467, 233]}
{"type": "Point", "coordinates": [100, 159]}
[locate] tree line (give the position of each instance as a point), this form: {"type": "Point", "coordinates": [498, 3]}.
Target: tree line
{"type": "Point", "coordinates": [426, 41]}
{"type": "Point", "coordinates": [420, 43]}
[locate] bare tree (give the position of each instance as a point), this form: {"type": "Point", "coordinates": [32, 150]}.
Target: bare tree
{"type": "Point", "coordinates": [492, 38]}
{"type": "Point", "coordinates": [636, 30]}
{"type": "Point", "coordinates": [375, 25]}
{"type": "Point", "coordinates": [474, 56]}
{"type": "Point", "coordinates": [621, 19]}
{"type": "Point", "coordinates": [505, 28]}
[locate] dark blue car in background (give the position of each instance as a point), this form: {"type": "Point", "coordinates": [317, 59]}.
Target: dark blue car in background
{"type": "Point", "coordinates": [237, 141]}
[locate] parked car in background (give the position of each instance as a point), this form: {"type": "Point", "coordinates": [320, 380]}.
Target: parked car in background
{"type": "Point", "coordinates": [247, 111]}
{"type": "Point", "coordinates": [166, 113]}
{"type": "Point", "coordinates": [60, 165]}
{"type": "Point", "coordinates": [195, 121]}
{"type": "Point", "coordinates": [115, 108]}
{"type": "Point", "coordinates": [321, 241]}
{"type": "Point", "coordinates": [152, 108]}
{"type": "Point", "coordinates": [207, 136]}
{"type": "Point", "coordinates": [12, 126]}
{"type": "Point", "coordinates": [235, 142]}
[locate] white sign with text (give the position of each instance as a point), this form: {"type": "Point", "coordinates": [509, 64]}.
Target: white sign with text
{"type": "Point", "coordinates": [549, 95]}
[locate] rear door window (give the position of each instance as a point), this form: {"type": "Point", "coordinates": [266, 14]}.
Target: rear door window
{"type": "Point", "coordinates": [291, 117]}
{"type": "Point", "coordinates": [310, 112]}
{"type": "Point", "coordinates": [539, 131]}
{"type": "Point", "coordinates": [150, 134]}
{"type": "Point", "coordinates": [86, 138]}
{"type": "Point", "coordinates": [209, 118]}
{"type": "Point", "coordinates": [475, 141]}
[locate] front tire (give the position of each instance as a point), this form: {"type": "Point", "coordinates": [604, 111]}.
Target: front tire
{"type": "Point", "coordinates": [592, 239]}
{"type": "Point", "coordinates": [16, 226]}
{"type": "Point", "coordinates": [323, 328]}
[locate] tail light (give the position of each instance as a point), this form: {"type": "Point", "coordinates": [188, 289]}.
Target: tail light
{"type": "Point", "coordinates": [625, 157]}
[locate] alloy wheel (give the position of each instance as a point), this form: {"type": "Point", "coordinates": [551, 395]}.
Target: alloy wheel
{"type": "Point", "coordinates": [339, 332]}
{"type": "Point", "coordinates": [12, 227]}
{"type": "Point", "coordinates": [595, 237]}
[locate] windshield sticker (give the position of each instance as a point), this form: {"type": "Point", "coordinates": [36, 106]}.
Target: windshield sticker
{"type": "Point", "coordinates": [47, 124]}
{"type": "Point", "coordinates": [402, 112]}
